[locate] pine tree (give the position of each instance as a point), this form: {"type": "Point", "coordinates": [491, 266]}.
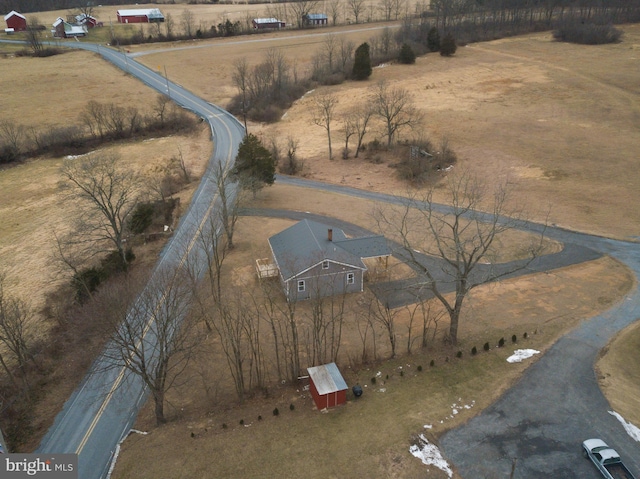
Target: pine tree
{"type": "Point", "coordinates": [407, 56]}
{"type": "Point", "coordinates": [448, 46]}
{"type": "Point", "coordinates": [433, 40]}
{"type": "Point", "coordinates": [254, 166]}
{"type": "Point", "coordinates": [362, 63]}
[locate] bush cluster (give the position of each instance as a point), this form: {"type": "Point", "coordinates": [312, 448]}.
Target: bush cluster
{"type": "Point", "coordinates": [100, 123]}
{"type": "Point", "coordinates": [576, 31]}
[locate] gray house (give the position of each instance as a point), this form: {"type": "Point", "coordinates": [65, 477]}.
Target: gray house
{"type": "Point", "coordinates": [315, 260]}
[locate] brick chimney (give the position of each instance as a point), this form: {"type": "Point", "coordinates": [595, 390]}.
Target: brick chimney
{"type": "Point", "coordinates": [330, 234]}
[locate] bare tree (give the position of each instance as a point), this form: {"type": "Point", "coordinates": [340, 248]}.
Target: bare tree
{"type": "Point", "coordinates": [107, 193]}
{"type": "Point", "coordinates": [241, 80]}
{"type": "Point", "coordinates": [188, 22]}
{"type": "Point", "coordinates": [385, 316]}
{"type": "Point", "coordinates": [228, 192]}
{"type": "Point", "coordinates": [346, 49]}
{"type": "Point", "coordinates": [360, 119]}
{"type": "Point", "coordinates": [330, 46]}
{"type": "Point", "coordinates": [325, 111]}
{"type": "Point", "coordinates": [395, 107]}
{"type": "Point", "coordinates": [161, 108]}
{"type": "Point", "coordinates": [301, 9]}
{"type": "Point", "coordinates": [349, 130]}
{"type": "Point", "coordinates": [334, 10]}
{"type": "Point", "coordinates": [152, 335]}
{"type": "Point", "coordinates": [34, 36]}
{"type": "Point", "coordinates": [15, 319]}
{"type": "Point", "coordinates": [458, 251]}
{"type": "Point", "coordinates": [169, 25]}
{"type": "Point", "coordinates": [12, 135]}
{"type": "Point", "coordinates": [356, 7]}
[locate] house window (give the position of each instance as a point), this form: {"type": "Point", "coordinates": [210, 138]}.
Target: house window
{"type": "Point", "coordinates": [300, 286]}
{"type": "Point", "coordinates": [351, 278]}
{"type": "Point", "coordinates": [325, 264]}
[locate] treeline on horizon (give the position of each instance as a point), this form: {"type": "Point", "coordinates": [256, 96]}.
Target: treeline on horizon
{"type": "Point", "coordinates": [453, 7]}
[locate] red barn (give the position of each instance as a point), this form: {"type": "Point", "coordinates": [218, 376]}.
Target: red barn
{"type": "Point", "coordinates": [146, 15]}
{"type": "Point", "coordinates": [16, 21]}
{"type": "Point", "coordinates": [328, 388]}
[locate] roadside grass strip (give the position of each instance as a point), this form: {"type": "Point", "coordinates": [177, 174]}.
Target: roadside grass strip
{"type": "Point", "coordinates": [633, 431]}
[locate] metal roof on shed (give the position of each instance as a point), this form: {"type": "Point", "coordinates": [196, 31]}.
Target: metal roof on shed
{"type": "Point", "coordinates": [149, 12]}
{"type": "Point", "coordinates": [266, 20]}
{"type": "Point", "coordinates": [317, 16]}
{"type": "Point", "coordinates": [12, 13]}
{"type": "Point", "coordinates": [327, 378]}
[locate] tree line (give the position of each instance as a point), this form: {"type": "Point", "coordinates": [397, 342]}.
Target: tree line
{"type": "Point", "coordinates": [98, 123]}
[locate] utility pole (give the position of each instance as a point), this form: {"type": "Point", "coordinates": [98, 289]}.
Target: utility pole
{"type": "Point", "coordinates": [167, 80]}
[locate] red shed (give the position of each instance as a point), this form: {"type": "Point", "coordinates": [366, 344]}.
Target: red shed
{"type": "Point", "coordinates": [16, 21]}
{"type": "Point", "coordinates": [327, 386]}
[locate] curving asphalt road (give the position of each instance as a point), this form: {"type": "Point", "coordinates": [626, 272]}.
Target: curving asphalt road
{"type": "Point", "coordinates": [104, 407]}
{"type": "Point", "coordinates": [540, 421]}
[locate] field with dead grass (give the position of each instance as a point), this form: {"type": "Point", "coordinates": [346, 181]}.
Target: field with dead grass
{"type": "Point", "coordinates": [556, 121]}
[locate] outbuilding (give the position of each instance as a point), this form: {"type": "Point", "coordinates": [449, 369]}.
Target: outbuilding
{"type": "Point", "coordinates": [267, 23]}
{"type": "Point", "coordinates": [62, 29]}
{"type": "Point", "coordinates": [315, 19]}
{"type": "Point", "coordinates": [328, 387]}
{"type": "Point", "coordinates": [142, 15]}
{"type": "Point", "coordinates": [15, 21]}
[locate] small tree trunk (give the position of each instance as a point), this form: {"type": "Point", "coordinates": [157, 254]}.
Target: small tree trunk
{"type": "Point", "coordinates": [158, 397]}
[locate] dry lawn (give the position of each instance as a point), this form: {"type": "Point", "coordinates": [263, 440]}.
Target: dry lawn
{"type": "Point", "coordinates": [556, 121]}
{"type": "Point", "coordinates": [369, 437]}
{"type": "Point", "coordinates": [619, 373]}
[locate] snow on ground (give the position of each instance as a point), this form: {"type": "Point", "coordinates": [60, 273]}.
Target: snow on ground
{"type": "Point", "coordinates": [632, 430]}
{"type": "Point", "coordinates": [430, 455]}
{"type": "Point", "coordinates": [520, 354]}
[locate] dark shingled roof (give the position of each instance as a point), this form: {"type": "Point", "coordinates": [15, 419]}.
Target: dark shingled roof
{"type": "Point", "coordinates": [306, 244]}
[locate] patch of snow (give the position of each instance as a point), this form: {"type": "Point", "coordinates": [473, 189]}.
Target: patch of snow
{"type": "Point", "coordinates": [428, 426]}
{"type": "Point", "coordinates": [135, 431]}
{"type": "Point", "coordinates": [633, 431]}
{"type": "Point", "coordinates": [382, 65]}
{"type": "Point", "coordinates": [382, 390]}
{"type": "Point", "coordinates": [520, 354]}
{"type": "Point", "coordinates": [379, 373]}
{"type": "Point", "coordinates": [430, 455]}
{"type": "Point", "coordinates": [454, 411]}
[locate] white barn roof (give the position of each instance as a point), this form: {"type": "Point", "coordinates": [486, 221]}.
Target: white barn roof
{"type": "Point", "coordinates": [266, 20]}
{"type": "Point", "coordinates": [327, 378]}
{"type": "Point", "coordinates": [12, 13]}
{"type": "Point", "coordinates": [148, 12]}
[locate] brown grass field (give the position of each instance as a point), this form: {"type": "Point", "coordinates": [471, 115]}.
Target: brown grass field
{"type": "Point", "coordinates": [558, 122]}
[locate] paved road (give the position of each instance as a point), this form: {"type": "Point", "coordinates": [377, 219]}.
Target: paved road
{"type": "Point", "coordinates": [557, 404]}
{"type": "Point", "coordinates": [104, 407]}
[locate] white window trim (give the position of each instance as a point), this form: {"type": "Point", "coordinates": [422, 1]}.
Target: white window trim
{"type": "Point", "coordinates": [301, 286]}
{"type": "Point", "coordinates": [325, 264]}
{"type": "Point", "coordinates": [351, 278]}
